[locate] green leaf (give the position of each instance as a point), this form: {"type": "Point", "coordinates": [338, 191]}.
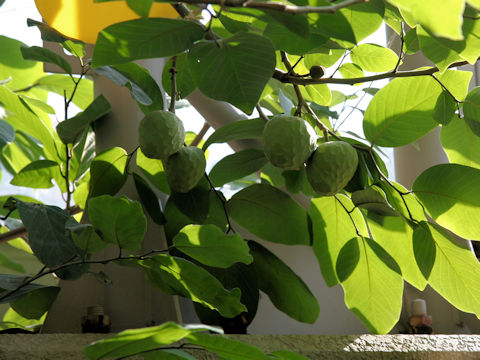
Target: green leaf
{"type": "Point", "coordinates": [36, 303]}
{"type": "Point", "coordinates": [401, 112]}
{"type": "Point", "coordinates": [209, 245]}
{"type": "Point", "coordinates": [167, 355]}
{"type": "Point", "coordinates": [319, 94]}
{"type": "Point", "coordinates": [326, 59]}
{"type": "Point", "coordinates": [238, 130]}
{"type": "Point", "coordinates": [235, 71]}
{"type": "Point", "coordinates": [143, 88]}
{"type": "Point", "coordinates": [372, 283]}
{"type": "Point", "coordinates": [444, 21]}
{"type": "Point", "coordinates": [332, 229]}
{"type": "Point", "coordinates": [227, 348]}
{"type": "Point", "coordinates": [12, 282]}
{"type": "Point", "coordinates": [179, 276]}
{"type": "Point", "coordinates": [350, 71]}
{"type": "Point", "coordinates": [37, 53]}
{"type": "Point", "coordinates": [154, 171]}
{"type": "Point", "coordinates": [46, 232]}
{"type": "Point", "coordinates": [460, 144]}
{"type": "Point", "coordinates": [71, 129]}
{"type": "Point", "coordinates": [195, 204]}
{"type": "Point", "coordinates": [9, 263]}
{"type": "Point", "coordinates": [149, 199]}
{"type": "Point", "coordinates": [108, 172]}
{"type": "Point", "coordinates": [183, 78]}
{"type": "Point", "coordinates": [374, 58]}
{"type": "Point", "coordinates": [270, 214]}
{"type": "Point", "coordinates": [141, 7]}
{"type": "Point", "coordinates": [410, 42]}
{"type": "Point", "coordinates": [450, 267]}
{"type": "Point", "coordinates": [7, 133]}
{"type": "Point", "coordinates": [452, 202]}
{"type": "Point", "coordinates": [64, 86]}
{"type": "Point", "coordinates": [236, 166]}
{"type": "Point", "coordinates": [288, 355]}
{"type": "Point", "coordinates": [403, 201]}
{"type": "Point", "coordinates": [471, 106]}
{"type": "Point", "coordinates": [38, 174]}
{"type": "Point", "coordinates": [286, 290]}
{"type": "Point", "coordinates": [119, 221]}
{"type": "Point", "coordinates": [134, 341]}
{"type": "Point", "coordinates": [395, 236]}
{"type": "Point", "coordinates": [373, 199]}
{"type": "Point", "coordinates": [138, 39]}
{"type": "Point", "coordinates": [444, 108]}
{"type": "Point", "coordinates": [84, 236]}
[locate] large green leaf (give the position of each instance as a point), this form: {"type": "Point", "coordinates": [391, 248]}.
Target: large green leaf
{"type": "Point", "coordinates": [332, 229]}
{"type": "Point", "coordinates": [143, 88]}
{"type": "Point", "coordinates": [183, 78]}
{"type": "Point", "coordinates": [71, 129]}
{"type": "Point", "coordinates": [108, 172]}
{"type": "Point", "coordinates": [450, 267]}
{"type": "Point", "coordinates": [236, 70]}
{"type": "Point", "coordinates": [444, 21]}
{"type": "Point", "coordinates": [209, 245]}
{"type": "Point", "coordinates": [401, 112]}
{"type": "Point", "coordinates": [395, 236]}
{"type": "Point", "coordinates": [227, 348]}
{"type": "Point", "coordinates": [149, 199]}
{"type": "Point", "coordinates": [139, 39]}
{"type": "Point", "coordinates": [460, 143]}
{"type": "Point", "coordinates": [237, 165]}
{"type": "Point", "coordinates": [10, 282]}
{"type": "Point", "coordinates": [454, 201]}
{"type": "Point", "coordinates": [238, 130]}
{"type": "Point", "coordinates": [120, 221]}
{"type": "Point", "coordinates": [36, 303]}
{"type": "Point", "coordinates": [37, 53]}
{"type": "Point", "coordinates": [286, 290]}
{"type": "Point", "coordinates": [84, 236]}
{"type": "Point", "coordinates": [372, 282]}
{"type": "Point", "coordinates": [471, 106]}
{"type": "Point", "coordinates": [374, 58]}
{"type": "Point", "coordinates": [154, 171]}
{"type": "Point", "coordinates": [134, 341]}
{"type": "Point", "coordinates": [39, 174]}
{"type": "Point", "coordinates": [178, 276]}
{"type": "Point", "coordinates": [270, 214]}
{"type": "Point", "coordinates": [47, 237]}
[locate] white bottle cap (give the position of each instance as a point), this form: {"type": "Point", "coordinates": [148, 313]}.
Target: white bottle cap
{"type": "Point", "coordinates": [419, 307]}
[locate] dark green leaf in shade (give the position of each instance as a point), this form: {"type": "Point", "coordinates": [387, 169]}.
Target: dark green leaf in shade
{"type": "Point", "coordinates": [286, 290]}
{"type": "Point", "coordinates": [108, 172]}
{"type": "Point", "coordinates": [183, 77]}
{"type": "Point", "coordinates": [445, 108]}
{"type": "Point", "coordinates": [452, 202]}
{"type": "Point", "coordinates": [270, 214]}
{"type": "Point", "coordinates": [141, 7]}
{"type": "Point", "coordinates": [143, 88]}
{"type": "Point", "coordinates": [178, 276]}
{"type": "Point", "coordinates": [37, 53]}
{"type": "Point", "coordinates": [149, 199]}
{"type": "Point", "coordinates": [372, 282]}
{"type": "Point", "coordinates": [12, 282]}
{"type": "Point", "coordinates": [138, 39]}
{"type": "Point", "coordinates": [195, 204]}
{"type": "Point", "coordinates": [84, 236]}
{"type": "Point", "coordinates": [119, 221]}
{"type": "Point", "coordinates": [8, 263]}
{"type": "Point", "coordinates": [373, 199]}
{"type": "Point", "coordinates": [47, 237]}
{"type": "Point", "coordinates": [36, 303]}
{"type": "Point", "coordinates": [295, 23]}
{"type": "Point", "coordinates": [236, 166]}
{"type": "Point", "coordinates": [209, 245]}
{"type": "Point", "coordinates": [236, 71]}
{"type": "Point", "coordinates": [410, 42]}
{"type": "Point", "coordinates": [471, 106]}
{"type": "Point", "coordinates": [238, 130]}
{"type": "Point", "coordinates": [7, 133]}
{"type": "Point", "coordinates": [72, 129]}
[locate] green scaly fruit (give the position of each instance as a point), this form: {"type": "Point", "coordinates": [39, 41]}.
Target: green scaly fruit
{"type": "Point", "coordinates": [288, 141]}
{"type": "Point", "coordinates": [160, 134]}
{"type": "Point", "coordinates": [331, 167]}
{"type": "Point", "coordinates": [185, 168]}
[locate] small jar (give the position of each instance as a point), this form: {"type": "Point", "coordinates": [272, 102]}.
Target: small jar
{"type": "Point", "coordinates": [419, 322]}
{"type": "Point", "coordinates": [96, 321]}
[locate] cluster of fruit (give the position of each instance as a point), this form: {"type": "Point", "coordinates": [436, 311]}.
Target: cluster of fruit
{"type": "Point", "coordinates": [162, 136]}
{"type": "Point", "coordinates": [290, 142]}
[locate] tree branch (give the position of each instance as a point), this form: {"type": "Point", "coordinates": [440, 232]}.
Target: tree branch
{"type": "Point", "coordinates": [290, 79]}
{"type": "Point", "coordinates": [279, 6]}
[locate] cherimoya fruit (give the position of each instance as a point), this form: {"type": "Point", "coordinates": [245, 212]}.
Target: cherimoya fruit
{"type": "Point", "coordinates": [288, 141]}
{"type": "Point", "coordinates": [160, 134]}
{"type": "Point", "coordinates": [331, 167]}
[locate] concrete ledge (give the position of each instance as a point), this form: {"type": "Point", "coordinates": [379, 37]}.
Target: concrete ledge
{"type": "Point", "coordinates": [451, 347]}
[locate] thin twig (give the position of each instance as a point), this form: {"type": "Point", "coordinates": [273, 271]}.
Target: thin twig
{"type": "Point", "coordinates": [173, 78]}
{"type": "Point", "coordinates": [224, 205]}
{"type": "Point", "coordinates": [261, 113]}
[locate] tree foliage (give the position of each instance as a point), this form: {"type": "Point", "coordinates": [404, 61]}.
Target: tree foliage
{"type": "Point", "coordinates": [370, 237]}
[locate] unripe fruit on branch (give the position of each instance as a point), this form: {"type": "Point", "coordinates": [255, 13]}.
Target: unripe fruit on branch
{"type": "Point", "coordinates": [317, 72]}
{"type": "Point", "coordinates": [160, 134]}
{"type": "Point", "coordinates": [331, 167]}
{"type": "Point", "coordinates": [185, 168]}
{"type": "Point", "coordinates": [288, 141]}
